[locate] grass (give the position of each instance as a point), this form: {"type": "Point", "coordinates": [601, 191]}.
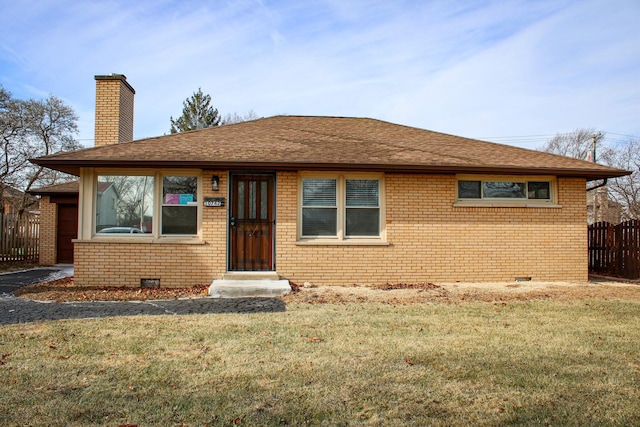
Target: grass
{"type": "Point", "coordinates": [516, 363]}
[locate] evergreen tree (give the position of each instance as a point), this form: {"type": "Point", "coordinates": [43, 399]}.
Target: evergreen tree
{"type": "Point", "coordinates": [197, 113]}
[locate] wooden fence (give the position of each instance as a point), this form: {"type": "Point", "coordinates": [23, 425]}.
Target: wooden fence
{"type": "Point", "coordinates": [614, 250]}
{"type": "Point", "coordinates": [19, 238]}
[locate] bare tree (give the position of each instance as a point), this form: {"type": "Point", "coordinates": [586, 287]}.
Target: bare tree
{"type": "Point", "coordinates": [50, 128]}
{"type": "Point", "coordinates": [230, 119]}
{"type": "Point", "coordinates": [577, 144]}
{"type": "Point", "coordinates": [14, 158]}
{"type": "Point", "coordinates": [30, 129]}
{"type": "Point", "coordinates": [624, 191]}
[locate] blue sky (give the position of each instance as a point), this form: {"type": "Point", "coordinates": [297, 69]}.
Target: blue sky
{"type": "Point", "coordinates": [515, 72]}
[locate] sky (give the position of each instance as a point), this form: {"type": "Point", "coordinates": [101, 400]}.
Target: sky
{"type": "Point", "coordinates": [514, 72]}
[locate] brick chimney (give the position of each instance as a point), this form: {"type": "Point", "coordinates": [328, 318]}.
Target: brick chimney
{"type": "Point", "coordinates": [114, 110]}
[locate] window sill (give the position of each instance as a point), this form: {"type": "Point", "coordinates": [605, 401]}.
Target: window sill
{"type": "Point", "coordinates": [346, 242]}
{"type": "Point", "coordinates": [505, 204]}
{"type": "Point", "coordinates": [143, 240]}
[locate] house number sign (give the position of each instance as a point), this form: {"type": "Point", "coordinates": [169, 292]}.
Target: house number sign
{"type": "Point", "coordinates": [214, 202]}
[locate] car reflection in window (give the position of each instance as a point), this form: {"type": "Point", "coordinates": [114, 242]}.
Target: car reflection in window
{"type": "Point", "coordinates": [120, 230]}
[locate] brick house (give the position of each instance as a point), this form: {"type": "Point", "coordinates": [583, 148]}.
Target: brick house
{"type": "Point", "coordinates": [58, 222]}
{"type": "Point", "coordinates": [327, 200]}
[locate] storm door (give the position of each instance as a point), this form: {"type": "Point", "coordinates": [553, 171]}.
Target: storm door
{"type": "Point", "coordinates": [251, 223]}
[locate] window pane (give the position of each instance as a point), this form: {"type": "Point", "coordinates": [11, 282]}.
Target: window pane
{"type": "Point", "coordinates": [179, 219]}
{"type": "Point", "coordinates": [319, 222]}
{"type": "Point", "coordinates": [469, 190]}
{"type": "Point", "coordinates": [505, 190]}
{"type": "Point", "coordinates": [363, 222]}
{"type": "Point", "coordinates": [362, 192]}
{"type": "Point", "coordinates": [179, 190]}
{"type": "Point", "coordinates": [252, 199]}
{"type": "Point", "coordinates": [241, 197]}
{"type": "Point", "coordinates": [264, 200]}
{"type": "Point", "coordinates": [318, 192]}
{"type": "Point", "coordinates": [179, 210]}
{"type": "Point", "coordinates": [539, 190]}
{"type": "Point", "coordinates": [124, 204]}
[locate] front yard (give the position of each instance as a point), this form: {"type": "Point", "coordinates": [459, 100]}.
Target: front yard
{"type": "Point", "coordinates": [339, 357]}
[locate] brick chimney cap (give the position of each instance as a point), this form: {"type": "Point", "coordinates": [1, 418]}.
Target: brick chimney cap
{"type": "Point", "coordinates": [115, 76]}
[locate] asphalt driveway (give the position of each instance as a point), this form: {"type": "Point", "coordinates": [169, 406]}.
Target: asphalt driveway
{"type": "Point", "coordinates": [9, 282]}
{"type": "Point", "coordinates": [19, 310]}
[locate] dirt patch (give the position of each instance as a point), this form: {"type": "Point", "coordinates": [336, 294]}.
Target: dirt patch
{"type": "Point", "coordinates": [401, 294]}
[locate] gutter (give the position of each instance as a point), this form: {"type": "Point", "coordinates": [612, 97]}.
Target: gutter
{"type": "Point", "coordinates": [602, 184]}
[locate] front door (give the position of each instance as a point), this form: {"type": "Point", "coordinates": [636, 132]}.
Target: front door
{"type": "Point", "coordinates": [251, 222]}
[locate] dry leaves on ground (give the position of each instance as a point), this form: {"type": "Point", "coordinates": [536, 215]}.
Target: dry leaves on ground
{"type": "Point", "coordinates": [65, 290]}
{"type": "Point", "coordinates": [399, 294]}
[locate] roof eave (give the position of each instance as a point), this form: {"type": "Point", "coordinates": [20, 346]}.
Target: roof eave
{"type": "Point", "coordinates": [73, 167]}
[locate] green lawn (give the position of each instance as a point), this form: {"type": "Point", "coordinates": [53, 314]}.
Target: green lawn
{"type": "Point", "coordinates": [528, 363]}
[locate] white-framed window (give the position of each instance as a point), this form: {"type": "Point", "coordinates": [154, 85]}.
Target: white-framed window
{"type": "Point", "coordinates": [153, 204]}
{"type": "Point", "coordinates": [124, 204]}
{"type": "Point", "coordinates": [341, 206]}
{"type": "Point", "coordinates": [319, 207]}
{"type": "Point", "coordinates": [506, 190]}
{"type": "Point", "coordinates": [179, 205]}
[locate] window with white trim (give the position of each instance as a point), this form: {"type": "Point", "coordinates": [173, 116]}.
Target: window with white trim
{"type": "Point", "coordinates": [179, 205]}
{"type": "Point", "coordinates": [319, 207]}
{"type": "Point", "coordinates": [362, 204]}
{"type": "Point", "coordinates": [341, 207]}
{"type": "Point", "coordinates": [156, 204]}
{"type": "Point", "coordinates": [539, 190]}
{"type": "Point", "coordinates": [124, 204]}
{"type": "Point", "coordinates": [533, 190]}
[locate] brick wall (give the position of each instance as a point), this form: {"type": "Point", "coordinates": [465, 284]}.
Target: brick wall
{"type": "Point", "coordinates": [114, 110]}
{"type": "Point", "coordinates": [48, 228]}
{"type": "Point", "coordinates": [430, 240]}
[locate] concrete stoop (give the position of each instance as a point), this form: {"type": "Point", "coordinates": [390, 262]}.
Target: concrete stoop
{"type": "Point", "coordinates": [245, 285]}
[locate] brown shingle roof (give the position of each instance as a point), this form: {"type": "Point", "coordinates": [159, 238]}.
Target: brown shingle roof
{"type": "Point", "coordinates": [328, 143]}
{"type": "Point", "coordinates": [72, 187]}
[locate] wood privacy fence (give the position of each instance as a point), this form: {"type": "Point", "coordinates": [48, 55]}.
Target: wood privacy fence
{"type": "Point", "coordinates": [614, 250]}
{"type": "Point", "coordinates": [19, 238]}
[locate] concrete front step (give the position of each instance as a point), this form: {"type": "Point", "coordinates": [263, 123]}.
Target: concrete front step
{"type": "Point", "coordinates": [251, 275]}
{"type": "Point", "coordinates": [243, 288]}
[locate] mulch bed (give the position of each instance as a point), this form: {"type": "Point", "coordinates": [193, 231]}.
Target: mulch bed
{"type": "Point", "coordinates": [65, 290]}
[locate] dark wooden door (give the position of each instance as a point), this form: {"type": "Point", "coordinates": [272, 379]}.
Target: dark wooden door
{"type": "Point", "coordinates": [251, 223]}
{"type": "Point", "coordinates": [67, 231]}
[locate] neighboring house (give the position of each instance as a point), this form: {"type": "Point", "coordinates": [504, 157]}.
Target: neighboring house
{"type": "Point", "coordinates": [606, 209]}
{"type": "Point", "coordinates": [327, 200]}
{"type": "Point", "coordinates": [12, 201]}
{"type": "Point", "coordinates": [58, 222]}
{"type": "Point", "coordinates": [107, 200]}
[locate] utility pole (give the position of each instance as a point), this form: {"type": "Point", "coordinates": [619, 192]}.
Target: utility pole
{"type": "Point", "coordinates": [595, 192]}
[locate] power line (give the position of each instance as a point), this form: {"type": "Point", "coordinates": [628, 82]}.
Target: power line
{"type": "Point", "coordinates": [529, 140]}
{"type": "Point", "coordinates": [621, 134]}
